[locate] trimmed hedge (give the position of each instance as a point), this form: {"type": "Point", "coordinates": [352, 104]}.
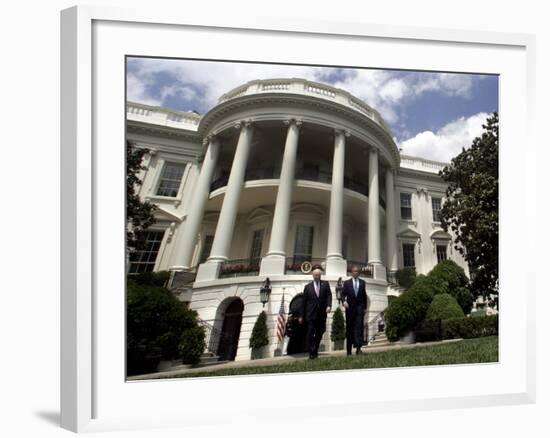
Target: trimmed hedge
{"type": "Point", "coordinates": [407, 310]}
{"type": "Point", "coordinates": [405, 277]}
{"type": "Point", "coordinates": [259, 338]}
{"type": "Point", "coordinates": [467, 328]}
{"type": "Point", "coordinates": [444, 306]}
{"type": "Point", "coordinates": [192, 345]}
{"type": "Point", "coordinates": [456, 282]}
{"type": "Point", "coordinates": [338, 329]}
{"type": "Point", "coordinates": [156, 323]}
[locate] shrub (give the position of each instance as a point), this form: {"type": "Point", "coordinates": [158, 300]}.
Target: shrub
{"type": "Point", "coordinates": [456, 280]}
{"type": "Point", "coordinates": [428, 331]}
{"type": "Point", "coordinates": [259, 337]}
{"type": "Point", "coordinates": [405, 277]}
{"type": "Point", "coordinates": [407, 310]}
{"type": "Point", "coordinates": [443, 306]}
{"type": "Point", "coordinates": [159, 279]}
{"type": "Point", "coordinates": [156, 321]}
{"type": "Point", "coordinates": [467, 328]}
{"type": "Point", "coordinates": [192, 345]}
{"type": "Point", "coordinates": [338, 329]}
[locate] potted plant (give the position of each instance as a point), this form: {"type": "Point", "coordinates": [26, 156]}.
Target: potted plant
{"type": "Point", "coordinates": [338, 329]}
{"type": "Point", "coordinates": [259, 338]}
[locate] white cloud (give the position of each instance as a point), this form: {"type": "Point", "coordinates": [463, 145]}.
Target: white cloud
{"type": "Point", "coordinates": [137, 89]}
{"type": "Point", "coordinates": [447, 83]}
{"type": "Point", "coordinates": [446, 142]}
{"type": "Point", "coordinates": [203, 82]}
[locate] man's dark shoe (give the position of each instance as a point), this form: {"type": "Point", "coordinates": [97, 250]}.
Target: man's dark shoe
{"type": "Point", "coordinates": [311, 356]}
{"type": "Point", "coordinates": [348, 353]}
{"type": "Point", "coordinates": [358, 351]}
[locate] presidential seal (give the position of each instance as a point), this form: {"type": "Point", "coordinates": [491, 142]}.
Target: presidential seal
{"type": "Point", "coordinates": [306, 267]}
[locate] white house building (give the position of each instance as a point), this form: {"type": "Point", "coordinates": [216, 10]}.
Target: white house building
{"type": "Point", "coordinates": [278, 173]}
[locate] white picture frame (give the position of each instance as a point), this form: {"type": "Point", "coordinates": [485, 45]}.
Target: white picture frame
{"type": "Point", "coordinates": [93, 398]}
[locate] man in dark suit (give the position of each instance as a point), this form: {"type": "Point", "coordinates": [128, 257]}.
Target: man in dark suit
{"type": "Point", "coordinates": [354, 297]}
{"type": "Point", "coordinates": [316, 304]}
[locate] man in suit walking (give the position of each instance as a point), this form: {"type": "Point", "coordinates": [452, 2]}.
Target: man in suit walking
{"type": "Point", "coordinates": [316, 304]}
{"type": "Point", "coordinates": [354, 296]}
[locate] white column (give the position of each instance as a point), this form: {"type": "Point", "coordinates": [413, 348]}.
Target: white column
{"type": "Point", "coordinates": [274, 261]}
{"type": "Point", "coordinates": [336, 265]}
{"type": "Point", "coordinates": [374, 216]}
{"type": "Point", "coordinates": [391, 220]}
{"type": "Point", "coordinates": [187, 237]}
{"type": "Point", "coordinates": [228, 214]}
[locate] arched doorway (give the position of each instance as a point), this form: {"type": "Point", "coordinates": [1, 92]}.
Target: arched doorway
{"type": "Point", "coordinates": [297, 342]}
{"type": "Point", "coordinates": [231, 330]}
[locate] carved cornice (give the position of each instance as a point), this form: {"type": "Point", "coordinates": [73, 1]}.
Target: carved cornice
{"type": "Point", "coordinates": [215, 117]}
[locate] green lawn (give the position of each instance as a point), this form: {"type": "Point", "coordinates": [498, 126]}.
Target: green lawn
{"type": "Point", "coordinates": [478, 350]}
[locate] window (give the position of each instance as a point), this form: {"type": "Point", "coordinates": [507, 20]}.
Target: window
{"type": "Point", "coordinates": [441, 252]}
{"type": "Point", "coordinates": [144, 260]}
{"type": "Point", "coordinates": [206, 248]}
{"type": "Point", "coordinates": [406, 206]}
{"type": "Point", "coordinates": [256, 246]}
{"type": "Point", "coordinates": [170, 179]}
{"type": "Point", "coordinates": [304, 243]}
{"type": "Point", "coordinates": [408, 255]}
{"type": "Point", "coordinates": [436, 209]}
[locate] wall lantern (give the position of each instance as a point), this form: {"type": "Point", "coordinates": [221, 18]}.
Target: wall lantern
{"type": "Point", "coordinates": [339, 288]}
{"type": "Point", "coordinates": [265, 291]}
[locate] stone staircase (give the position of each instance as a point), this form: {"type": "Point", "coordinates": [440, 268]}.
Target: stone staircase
{"type": "Point", "coordinates": [380, 340]}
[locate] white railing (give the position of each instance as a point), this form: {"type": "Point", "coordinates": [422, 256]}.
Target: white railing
{"type": "Point", "coordinates": [162, 116]}
{"type": "Point", "coordinates": [421, 164]}
{"type": "Point", "coordinates": [372, 329]}
{"type": "Point", "coordinates": [316, 89]}
{"type": "Point", "coordinates": [305, 87]}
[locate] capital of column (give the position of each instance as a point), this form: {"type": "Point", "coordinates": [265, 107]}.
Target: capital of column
{"type": "Point", "coordinates": [209, 138]}
{"type": "Point", "coordinates": [244, 124]}
{"type": "Point", "coordinates": [342, 131]}
{"type": "Point", "coordinates": [288, 122]}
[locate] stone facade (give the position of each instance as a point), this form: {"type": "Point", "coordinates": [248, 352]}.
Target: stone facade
{"type": "Point", "coordinates": [279, 172]}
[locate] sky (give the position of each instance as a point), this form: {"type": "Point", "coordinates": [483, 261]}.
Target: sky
{"type": "Point", "coordinates": [432, 115]}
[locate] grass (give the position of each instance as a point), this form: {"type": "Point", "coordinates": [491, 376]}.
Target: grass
{"type": "Point", "coordinates": [479, 350]}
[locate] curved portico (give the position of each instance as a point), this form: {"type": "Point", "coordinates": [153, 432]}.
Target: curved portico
{"type": "Point", "coordinates": [289, 133]}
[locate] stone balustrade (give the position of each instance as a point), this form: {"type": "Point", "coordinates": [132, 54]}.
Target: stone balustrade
{"type": "Point", "coordinates": [162, 116]}
{"type": "Point", "coordinates": [305, 87]}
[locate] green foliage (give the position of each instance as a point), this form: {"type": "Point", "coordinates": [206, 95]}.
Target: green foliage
{"type": "Point", "coordinates": [156, 322]}
{"type": "Point", "coordinates": [467, 328]}
{"type": "Point", "coordinates": [338, 330]}
{"type": "Point", "coordinates": [471, 209]}
{"type": "Point", "coordinates": [259, 337]}
{"type": "Point", "coordinates": [407, 310]}
{"type": "Point", "coordinates": [405, 277]}
{"type": "Point", "coordinates": [159, 279]}
{"type": "Point", "coordinates": [139, 214]}
{"type": "Point", "coordinates": [453, 276]}
{"type": "Point", "coordinates": [444, 306]}
{"type": "Point", "coordinates": [192, 345]}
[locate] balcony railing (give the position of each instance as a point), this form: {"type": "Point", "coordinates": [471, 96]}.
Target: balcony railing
{"type": "Point", "coordinates": [365, 269]}
{"type": "Point", "coordinates": [240, 268]}
{"type": "Point", "coordinates": [293, 265]}
{"type": "Point", "coordinates": [321, 176]}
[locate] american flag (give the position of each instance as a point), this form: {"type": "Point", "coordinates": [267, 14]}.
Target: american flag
{"type": "Point", "coordinates": [281, 320]}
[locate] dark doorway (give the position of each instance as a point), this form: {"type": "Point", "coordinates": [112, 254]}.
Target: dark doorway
{"type": "Point", "coordinates": [231, 330]}
{"type": "Point", "coordinates": [295, 330]}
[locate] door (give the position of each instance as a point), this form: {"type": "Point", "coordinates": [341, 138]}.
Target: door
{"type": "Point", "coordinates": [231, 330]}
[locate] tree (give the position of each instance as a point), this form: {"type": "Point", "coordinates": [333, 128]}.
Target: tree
{"type": "Point", "coordinates": [259, 337]}
{"type": "Point", "coordinates": [454, 277]}
{"type": "Point", "coordinates": [139, 214]}
{"type": "Point", "coordinates": [338, 330]}
{"type": "Point", "coordinates": [471, 209]}
{"type": "Point", "coordinates": [157, 325]}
